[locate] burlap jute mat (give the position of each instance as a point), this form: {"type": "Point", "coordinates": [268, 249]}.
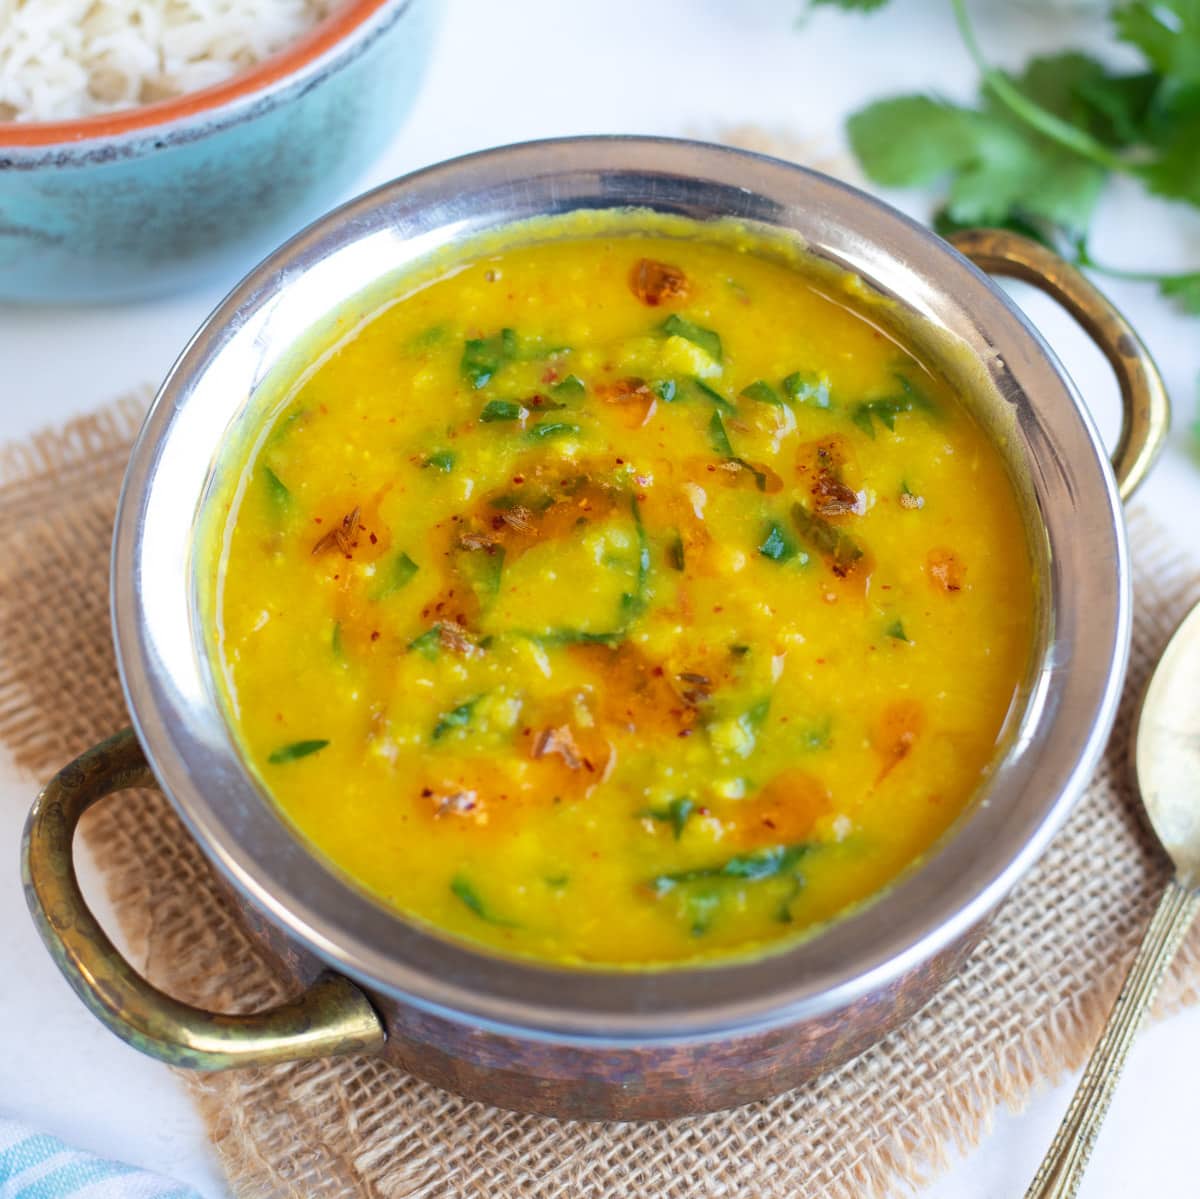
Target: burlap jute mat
{"type": "Point", "coordinates": [1028, 1005]}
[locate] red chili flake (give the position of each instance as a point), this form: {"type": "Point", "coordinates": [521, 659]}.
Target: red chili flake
{"type": "Point", "coordinates": [374, 539]}
{"type": "Point", "coordinates": [375, 635]}
{"type": "Point", "coordinates": [518, 479]}
{"type": "Point", "coordinates": [317, 520]}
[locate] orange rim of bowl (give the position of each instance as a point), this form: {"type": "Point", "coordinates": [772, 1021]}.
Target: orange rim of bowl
{"type": "Point", "coordinates": [277, 67]}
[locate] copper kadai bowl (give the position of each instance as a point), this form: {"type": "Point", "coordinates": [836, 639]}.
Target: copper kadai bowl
{"type": "Point", "coordinates": [574, 1042]}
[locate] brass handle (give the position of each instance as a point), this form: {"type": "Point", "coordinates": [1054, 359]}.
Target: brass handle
{"type": "Point", "coordinates": [1146, 410]}
{"type": "Point", "coordinates": [1064, 1164]}
{"type": "Point", "coordinates": [332, 1017]}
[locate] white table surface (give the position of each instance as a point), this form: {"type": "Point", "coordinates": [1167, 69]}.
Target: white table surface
{"type": "Point", "coordinates": [536, 68]}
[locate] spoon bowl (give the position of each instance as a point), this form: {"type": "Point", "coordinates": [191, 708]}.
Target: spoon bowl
{"type": "Point", "coordinates": [1166, 755]}
{"type": "Point", "coordinates": [1167, 750]}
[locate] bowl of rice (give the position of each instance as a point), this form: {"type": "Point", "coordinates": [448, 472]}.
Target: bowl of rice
{"type": "Point", "coordinates": [151, 145]}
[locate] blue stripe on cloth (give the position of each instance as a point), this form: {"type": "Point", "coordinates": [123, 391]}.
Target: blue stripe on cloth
{"type": "Point", "coordinates": [26, 1153]}
{"type": "Point", "coordinates": [82, 1172]}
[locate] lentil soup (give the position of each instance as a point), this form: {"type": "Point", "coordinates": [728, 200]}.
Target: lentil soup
{"type": "Point", "coordinates": [620, 598]}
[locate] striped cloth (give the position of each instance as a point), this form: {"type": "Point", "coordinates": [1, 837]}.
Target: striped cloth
{"type": "Point", "coordinates": [36, 1166]}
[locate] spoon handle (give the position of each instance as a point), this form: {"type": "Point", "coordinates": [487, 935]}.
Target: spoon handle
{"type": "Point", "coordinates": [1063, 1166]}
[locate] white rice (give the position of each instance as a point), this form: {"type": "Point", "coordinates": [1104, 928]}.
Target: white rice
{"type": "Point", "coordinates": [63, 59]}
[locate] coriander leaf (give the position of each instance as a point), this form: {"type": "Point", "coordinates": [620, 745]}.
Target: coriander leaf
{"type": "Point", "coordinates": [896, 631]}
{"type": "Point", "coordinates": [297, 749]}
{"type": "Point", "coordinates": [1167, 32]}
{"type": "Point", "coordinates": [707, 339]}
{"type": "Point", "coordinates": [1184, 290]}
{"type": "Point", "coordinates": [1175, 173]}
{"type": "Point", "coordinates": [442, 460]}
{"type": "Point", "coordinates": [911, 141]}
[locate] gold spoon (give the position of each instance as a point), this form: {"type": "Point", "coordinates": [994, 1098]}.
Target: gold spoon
{"type": "Point", "coordinates": [1167, 748]}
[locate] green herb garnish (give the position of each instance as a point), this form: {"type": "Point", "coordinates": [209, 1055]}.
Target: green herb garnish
{"type": "Point", "coordinates": [707, 339]}
{"type": "Point", "coordinates": [335, 642]}
{"type": "Point", "coordinates": [427, 644]}
{"type": "Point", "coordinates": [711, 394]}
{"type": "Point", "coordinates": [750, 867]}
{"type": "Point", "coordinates": [396, 572]}
{"type": "Point", "coordinates": [442, 460]}
{"type": "Point", "coordinates": [570, 388]}
{"type": "Point", "coordinates": [763, 393]}
{"type": "Point", "coordinates": [484, 356]}
{"type": "Point", "coordinates": [676, 814]}
{"type": "Point", "coordinates": [549, 429]}
{"type": "Point", "coordinates": [278, 494]}
{"type": "Point", "coordinates": [718, 437]}
{"type": "Point", "coordinates": [896, 630]}
{"type": "Point", "coordinates": [665, 389]}
{"type": "Point", "coordinates": [887, 408]}
{"type": "Point", "coordinates": [826, 539]}
{"type": "Point", "coordinates": [463, 890]}
{"type": "Point", "coordinates": [804, 387]}
{"type": "Point", "coordinates": [456, 718]}
{"type": "Point", "coordinates": [778, 546]}
{"type": "Point", "coordinates": [501, 410]}
{"type": "Point", "coordinates": [295, 751]}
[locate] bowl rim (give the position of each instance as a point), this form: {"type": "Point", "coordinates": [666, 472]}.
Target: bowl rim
{"type": "Point", "coordinates": [330, 38]}
{"type": "Point", "coordinates": [1059, 742]}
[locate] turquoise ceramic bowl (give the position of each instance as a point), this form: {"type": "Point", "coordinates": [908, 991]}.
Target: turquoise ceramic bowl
{"type": "Point", "coordinates": [197, 188]}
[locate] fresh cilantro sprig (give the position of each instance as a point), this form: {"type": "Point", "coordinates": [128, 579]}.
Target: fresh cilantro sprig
{"type": "Point", "coordinates": [1037, 151]}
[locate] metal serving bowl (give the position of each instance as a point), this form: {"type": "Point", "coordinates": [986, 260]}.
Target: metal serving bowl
{"type": "Point", "coordinates": [589, 1042]}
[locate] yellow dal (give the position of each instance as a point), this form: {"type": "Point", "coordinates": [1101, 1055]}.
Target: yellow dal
{"type": "Point", "coordinates": [462, 656]}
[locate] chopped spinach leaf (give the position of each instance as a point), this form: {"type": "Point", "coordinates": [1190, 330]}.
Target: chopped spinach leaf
{"type": "Point", "coordinates": [296, 750]}
{"type": "Point", "coordinates": [463, 890]}
{"type": "Point", "coordinates": [278, 493]}
{"type": "Point", "coordinates": [335, 642]}
{"type": "Point", "coordinates": [427, 644]}
{"type": "Point", "coordinates": [711, 394]}
{"type": "Point", "coordinates": [483, 569]}
{"type": "Point", "coordinates": [442, 460]}
{"type": "Point", "coordinates": [549, 429]}
{"type": "Point", "coordinates": [456, 718]}
{"type": "Point", "coordinates": [484, 356]}
{"type": "Point", "coordinates": [718, 437]}
{"type": "Point", "coordinates": [396, 572]}
{"type": "Point", "coordinates": [756, 714]}
{"type": "Point", "coordinates": [634, 605]}
{"type": "Point", "coordinates": [896, 630]}
{"type": "Point", "coordinates": [784, 912]}
{"type": "Point", "coordinates": [665, 389]}
{"type": "Point", "coordinates": [676, 814]}
{"type": "Point", "coordinates": [571, 388]}
{"type": "Point", "coordinates": [885, 409]}
{"type": "Point", "coordinates": [773, 862]}
{"type": "Point", "coordinates": [557, 881]}
{"type": "Point", "coordinates": [707, 339]}
{"type": "Point", "coordinates": [777, 545]}
{"type": "Point", "coordinates": [826, 539]}
{"type": "Point", "coordinates": [501, 410]}
{"type": "Point", "coordinates": [762, 392]}
{"type": "Point", "coordinates": [805, 387]}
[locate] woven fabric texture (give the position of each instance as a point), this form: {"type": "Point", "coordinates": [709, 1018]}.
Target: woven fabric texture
{"type": "Point", "coordinates": [1027, 1006]}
